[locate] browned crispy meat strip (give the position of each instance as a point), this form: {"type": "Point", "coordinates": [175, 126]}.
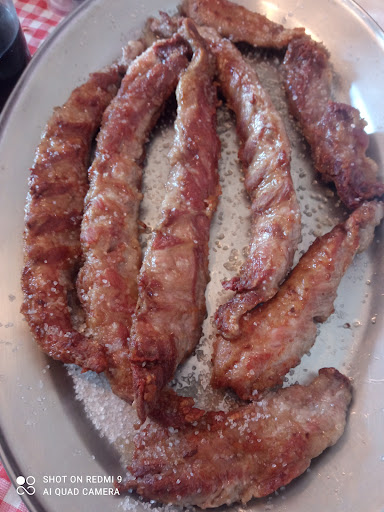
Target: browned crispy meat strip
{"type": "Point", "coordinates": [174, 274]}
{"type": "Point", "coordinates": [265, 155]}
{"type": "Point", "coordinates": [57, 186]}
{"type": "Point", "coordinates": [239, 24]}
{"type": "Point", "coordinates": [107, 283]}
{"type": "Point", "coordinates": [248, 452]}
{"type": "Point", "coordinates": [335, 131]}
{"type": "Point", "coordinates": [276, 335]}
{"type": "Point", "coordinates": [308, 80]}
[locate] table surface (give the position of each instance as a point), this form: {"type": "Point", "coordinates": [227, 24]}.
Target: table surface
{"type": "Point", "coordinates": [38, 21]}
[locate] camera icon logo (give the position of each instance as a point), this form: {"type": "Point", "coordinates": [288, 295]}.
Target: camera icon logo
{"type": "Point", "coordinates": [25, 485]}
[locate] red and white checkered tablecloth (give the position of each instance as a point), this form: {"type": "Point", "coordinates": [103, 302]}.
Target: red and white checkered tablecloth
{"type": "Point", "coordinates": [37, 22]}
{"type": "Point", "coordinates": [10, 501]}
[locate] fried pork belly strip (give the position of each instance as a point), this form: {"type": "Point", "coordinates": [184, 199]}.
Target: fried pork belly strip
{"type": "Point", "coordinates": [248, 452]}
{"type": "Point", "coordinates": [107, 283]}
{"type": "Point", "coordinates": [334, 131]}
{"type": "Point", "coordinates": [172, 281]}
{"type": "Point", "coordinates": [265, 156]}
{"type": "Point", "coordinates": [239, 24]}
{"type": "Point", "coordinates": [276, 335]}
{"type": "Point", "coordinates": [52, 252]}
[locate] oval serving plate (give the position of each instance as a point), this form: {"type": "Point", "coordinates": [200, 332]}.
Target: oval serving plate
{"type": "Point", "coordinates": [48, 434]}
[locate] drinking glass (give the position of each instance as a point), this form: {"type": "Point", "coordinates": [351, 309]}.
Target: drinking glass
{"type": "Point", "coordinates": [14, 53]}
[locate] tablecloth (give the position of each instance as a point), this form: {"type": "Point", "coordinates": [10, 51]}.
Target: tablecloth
{"type": "Point", "coordinates": [10, 501]}
{"type": "Point", "coordinates": [37, 22]}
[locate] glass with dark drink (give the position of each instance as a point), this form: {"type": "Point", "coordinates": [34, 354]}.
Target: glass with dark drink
{"type": "Point", "coordinates": [14, 53]}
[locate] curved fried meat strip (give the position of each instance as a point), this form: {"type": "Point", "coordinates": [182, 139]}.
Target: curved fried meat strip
{"type": "Point", "coordinates": [248, 452]}
{"type": "Point", "coordinates": [57, 186]}
{"type": "Point", "coordinates": [308, 80]}
{"type": "Point", "coordinates": [276, 335]}
{"type": "Point", "coordinates": [335, 131]}
{"type": "Point", "coordinates": [239, 24]}
{"type": "Point", "coordinates": [265, 155]}
{"type": "Point", "coordinates": [107, 283]}
{"type": "Point", "coordinates": [172, 281]}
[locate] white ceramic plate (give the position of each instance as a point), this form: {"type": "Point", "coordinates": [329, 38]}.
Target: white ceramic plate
{"type": "Point", "coordinates": [45, 432]}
